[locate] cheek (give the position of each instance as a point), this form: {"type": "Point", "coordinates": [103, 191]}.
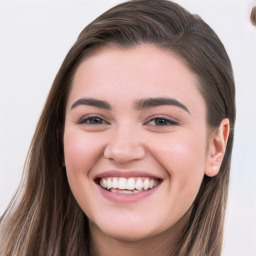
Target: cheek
{"type": "Point", "coordinates": [182, 152]}
{"type": "Point", "coordinates": [184, 160]}
{"type": "Point", "coordinates": [81, 151]}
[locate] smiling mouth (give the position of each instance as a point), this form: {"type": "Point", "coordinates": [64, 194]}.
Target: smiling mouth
{"type": "Point", "coordinates": [123, 185]}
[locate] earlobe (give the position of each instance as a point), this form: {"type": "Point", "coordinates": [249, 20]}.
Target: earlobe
{"type": "Point", "coordinates": [217, 148]}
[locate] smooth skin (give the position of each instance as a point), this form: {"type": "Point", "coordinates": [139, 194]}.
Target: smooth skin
{"type": "Point", "coordinates": [171, 142]}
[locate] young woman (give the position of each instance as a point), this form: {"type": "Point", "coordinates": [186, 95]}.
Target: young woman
{"type": "Point", "coordinates": [131, 155]}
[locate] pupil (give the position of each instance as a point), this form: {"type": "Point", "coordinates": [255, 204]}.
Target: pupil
{"type": "Point", "coordinates": [161, 121]}
{"type": "Point", "coordinates": [96, 120]}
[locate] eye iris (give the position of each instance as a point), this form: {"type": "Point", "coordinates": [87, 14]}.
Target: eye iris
{"type": "Point", "coordinates": [96, 120]}
{"type": "Point", "coordinates": [161, 121]}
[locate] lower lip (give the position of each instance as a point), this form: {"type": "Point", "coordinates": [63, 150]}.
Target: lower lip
{"type": "Point", "coordinates": [127, 198]}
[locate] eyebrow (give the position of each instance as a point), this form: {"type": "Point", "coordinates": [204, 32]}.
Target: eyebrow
{"type": "Point", "coordinates": [139, 105]}
{"type": "Point", "coordinates": [155, 102]}
{"type": "Point", "coordinates": [92, 102]}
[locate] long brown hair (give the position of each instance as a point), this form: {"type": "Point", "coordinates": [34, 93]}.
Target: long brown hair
{"type": "Point", "coordinates": [43, 217]}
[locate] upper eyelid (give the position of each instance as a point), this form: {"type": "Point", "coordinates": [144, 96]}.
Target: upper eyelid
{"type": "Point", "coordinates": [169, 123]}
{"type": "Point", "coordinates": [91, 116]}
{"type": "Point", "coordinates": [168, 118]}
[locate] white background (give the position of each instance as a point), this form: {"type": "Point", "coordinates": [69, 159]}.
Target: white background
{"type": "Point", "coordinates": [35, 37]}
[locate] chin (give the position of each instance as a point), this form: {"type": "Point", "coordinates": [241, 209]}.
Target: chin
{"type": "Point", "coordinates": [131, 235]}
{"type": "Point", "coordinates": [129, 231]}
{"type": "Point", "coordinates": [132, 229]}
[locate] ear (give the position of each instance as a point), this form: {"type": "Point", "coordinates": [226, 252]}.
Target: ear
{"type": "Point", "coordinates": [217, 148]}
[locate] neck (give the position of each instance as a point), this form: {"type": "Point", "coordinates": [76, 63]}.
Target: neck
{"type": "Point", "coordinates": [163, 244]}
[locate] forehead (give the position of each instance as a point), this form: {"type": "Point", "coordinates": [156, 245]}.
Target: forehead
{"type": "Point", "coordinates": [144, 70]}
{"type": "Point", "coordinates": [137, 60]}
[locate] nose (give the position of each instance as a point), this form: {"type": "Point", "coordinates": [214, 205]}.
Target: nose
{"type": "Point", "coordinates": [124, 146]}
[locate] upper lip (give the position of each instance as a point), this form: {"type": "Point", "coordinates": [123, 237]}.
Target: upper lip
{"type": "Point", "coordinates": [125, 174]}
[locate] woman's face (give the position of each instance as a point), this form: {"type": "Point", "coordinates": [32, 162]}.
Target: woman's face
{"type": "Point", "coordinates": [135, 140]}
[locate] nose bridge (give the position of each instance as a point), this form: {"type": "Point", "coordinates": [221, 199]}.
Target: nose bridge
{"type": "Point", "coordinates": [125, 144]}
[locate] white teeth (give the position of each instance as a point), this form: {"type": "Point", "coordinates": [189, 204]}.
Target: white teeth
{"type": "Point", "coordinates": [146, 184]}
{"type": "Point", "coordinates": [128, 186]}
{"type": "Point", "coordinates": [122, 183]}
{"type": "Point", "coordinates": [131, 184]}
{"type": "Point", "coordinates": [109, 184]}
{"type": "Point", "coordinates": [103, 183]}
{"type": "Point", "coordinates": [115, 183]}
{"type": "Point", "coordinates": [139, 184]}
{"type": "Point", "coordinates": [151, 184]}
{"type": "Point", "coordinates": [124, 191]}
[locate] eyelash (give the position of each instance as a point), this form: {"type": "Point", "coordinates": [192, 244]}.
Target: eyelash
{"type": "Point", "coordinates": [100, 121]}
{"type": "Point", "coordinates": [88, 120]}
{"type": "Point", "coordinates": [165, 121]}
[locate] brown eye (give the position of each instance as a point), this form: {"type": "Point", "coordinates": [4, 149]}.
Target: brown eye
{"type": "Point", "coordinates": [93, 120]}
{"type": "Point", "coordinates": [160, 121]}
